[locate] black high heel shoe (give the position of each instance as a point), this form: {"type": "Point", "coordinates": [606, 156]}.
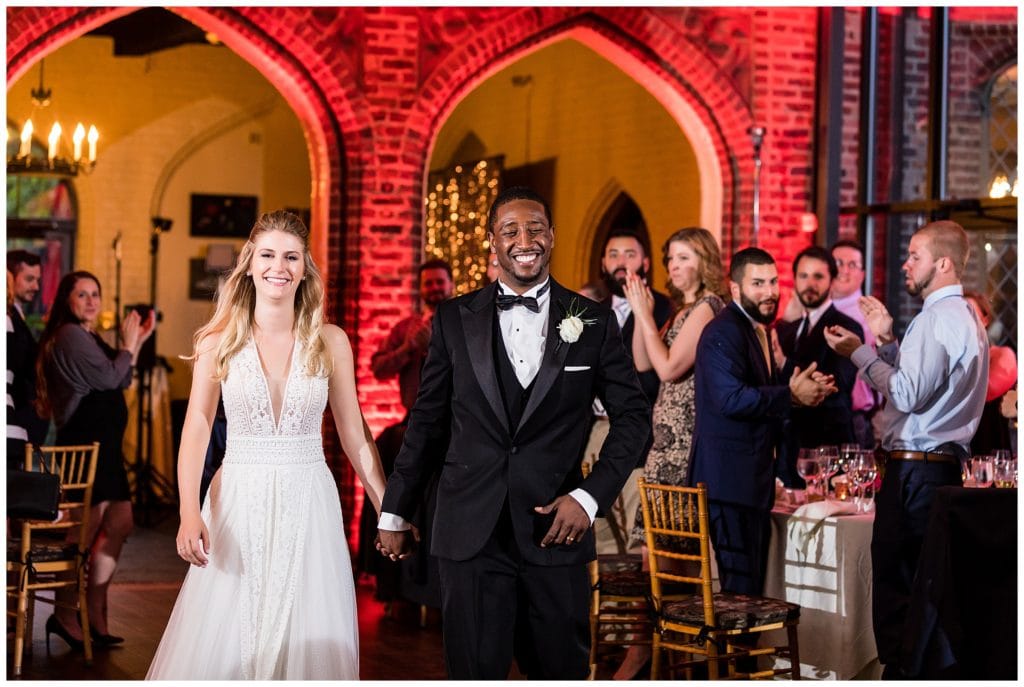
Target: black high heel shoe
{"type": "Point", "coordinates": [100, 639]}
{"type": "Point", "coordinates": [54, 626]}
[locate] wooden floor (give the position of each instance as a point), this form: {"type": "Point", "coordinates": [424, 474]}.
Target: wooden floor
{"type": "Point", "coordinates": [392, 646]}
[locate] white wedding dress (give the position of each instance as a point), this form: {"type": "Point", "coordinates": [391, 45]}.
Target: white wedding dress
{"type": "Point", "coordinates": [276, 601]}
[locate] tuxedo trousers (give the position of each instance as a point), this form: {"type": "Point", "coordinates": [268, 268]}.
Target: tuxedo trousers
{"type": "Point", "coordinates": [497, 606]}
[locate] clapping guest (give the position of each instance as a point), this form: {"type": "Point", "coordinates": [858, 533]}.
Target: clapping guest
{"type": "Point", "coordinates": [696, 285]}
{"type": "Point", "coordinates": [79, 382]}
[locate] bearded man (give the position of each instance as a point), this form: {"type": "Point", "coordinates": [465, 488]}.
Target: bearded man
{"type": "Point", "coordinates": [741, 406]}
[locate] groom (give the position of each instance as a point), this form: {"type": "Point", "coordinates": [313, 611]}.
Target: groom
{"type": "Point", "coordinates": [511, 374]}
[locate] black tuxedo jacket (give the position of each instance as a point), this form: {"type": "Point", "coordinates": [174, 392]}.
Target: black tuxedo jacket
{"type": "Point", "coordinates": [662, 313]}
{"type": "Point", "coordinates": [21, 360]}
{"type": "Point", "coordinates": [486, 462]}
{"type": "Point", "coordinates": [836, 410]}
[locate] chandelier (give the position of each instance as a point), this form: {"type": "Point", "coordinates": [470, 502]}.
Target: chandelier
{"type": "Point", "coordinates": [82, 148]}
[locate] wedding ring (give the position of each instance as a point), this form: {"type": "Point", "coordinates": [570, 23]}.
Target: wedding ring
{"type": "Point", "coordinates": [570, 540]}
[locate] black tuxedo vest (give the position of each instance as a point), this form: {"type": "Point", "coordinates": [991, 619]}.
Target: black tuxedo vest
{"type": "Point", "coordinates": [514, 396]}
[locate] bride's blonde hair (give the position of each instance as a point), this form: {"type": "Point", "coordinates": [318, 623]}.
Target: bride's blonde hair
{"type": "Point", "coordinates": [236, 302]}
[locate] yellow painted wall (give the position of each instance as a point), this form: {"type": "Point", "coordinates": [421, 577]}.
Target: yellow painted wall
{"type": "Point", "coordinates": [192, 119]}
{"type": "Point", "coordinates": [607, 132]}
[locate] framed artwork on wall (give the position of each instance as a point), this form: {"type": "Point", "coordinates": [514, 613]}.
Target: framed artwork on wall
{"type": "Point", "coordinates": [222, 216]}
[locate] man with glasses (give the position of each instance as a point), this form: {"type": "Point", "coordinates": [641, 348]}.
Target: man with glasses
{"type": "Point", "coordinates": [846, 291]}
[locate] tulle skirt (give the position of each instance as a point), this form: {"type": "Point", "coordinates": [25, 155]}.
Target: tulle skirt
{"type": "Point", "coordinates": [277, 600]}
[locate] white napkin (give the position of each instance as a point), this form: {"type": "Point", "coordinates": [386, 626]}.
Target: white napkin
{"type": "Point", "coordinates": [807, 519]}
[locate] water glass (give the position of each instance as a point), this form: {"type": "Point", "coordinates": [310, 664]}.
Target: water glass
{"type": "Point", "coordinates": [981, 471]}
{"type": "Point", "coordinates": [1004, 473]}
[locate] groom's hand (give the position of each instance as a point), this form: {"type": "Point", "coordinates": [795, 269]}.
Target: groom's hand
{"type": "Point", "coordinates": [571, 521]}
{"type": "Point", "coordinates": [396, 545]}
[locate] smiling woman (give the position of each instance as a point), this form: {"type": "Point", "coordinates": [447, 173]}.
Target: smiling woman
{"type": "Point", "coordinates": [271, 523]}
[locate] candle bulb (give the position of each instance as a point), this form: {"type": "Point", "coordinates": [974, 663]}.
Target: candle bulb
{"type": "Point", "coordinates": [54, 141]}
{"type": "Point", "coordinates": [77, 139]}
{"type": "Point", "coordinates": [26, 139]}
{"type": "Point", "coordinates": [93, 137]}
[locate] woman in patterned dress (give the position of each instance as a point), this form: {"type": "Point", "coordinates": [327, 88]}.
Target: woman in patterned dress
{"type": "Point", "coordinates": [696, 284]}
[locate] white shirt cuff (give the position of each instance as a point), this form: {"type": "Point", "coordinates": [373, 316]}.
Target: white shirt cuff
{"type": "Point", "coordinates": [585, 500]}
{"type": "Point", "coordinates": [393, 523]}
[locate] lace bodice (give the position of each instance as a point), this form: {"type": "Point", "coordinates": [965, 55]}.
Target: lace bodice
{"type": "Point", "coordinates": [247, 398]}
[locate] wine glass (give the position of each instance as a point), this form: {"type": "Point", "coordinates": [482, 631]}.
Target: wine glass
{"type": "Point", "coordinates": [865, 470]}
{"type": "Point", "coordinates": [828, 456]}
{"type": "Point", "coordinates": [847, 453]}
{"type": "Point", "coordinates": [808, 467]}
{"type": "Point", "coordinates": [981, 470]}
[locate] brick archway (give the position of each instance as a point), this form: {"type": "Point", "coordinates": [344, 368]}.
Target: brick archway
{"type": "Point", "coordinates": [324, 96]}
{"type": "Point", "coordinates": [669, 65]}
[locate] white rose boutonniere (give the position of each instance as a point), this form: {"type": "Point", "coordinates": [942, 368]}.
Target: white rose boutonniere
{"type": "Point", "coordinates": [571, 327]}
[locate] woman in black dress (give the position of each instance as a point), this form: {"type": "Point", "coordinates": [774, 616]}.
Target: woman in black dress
{"type": "Point", "coordinates": [80, 380]}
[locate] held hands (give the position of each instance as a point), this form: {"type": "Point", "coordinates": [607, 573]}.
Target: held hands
{"type": "Point", "coordinates": [193, 540]}
{"type": "Point", "coordinates": [570, 523]}
{"type": "Point", "coordinates": [397, 545]}
{"type": "Point", "coordinates": [810, 387]}
{"type": "Point", "coordinates": [878, 318]}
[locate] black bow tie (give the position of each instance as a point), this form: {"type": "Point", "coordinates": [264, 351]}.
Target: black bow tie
{"type": "Point", "coordinates": [507, 300]}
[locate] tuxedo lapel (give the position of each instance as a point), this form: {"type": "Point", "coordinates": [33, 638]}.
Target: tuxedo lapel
{"type": "Point", "coordinates": [554, 354]}
{"type": "Point", "coordinates": [478, 325]}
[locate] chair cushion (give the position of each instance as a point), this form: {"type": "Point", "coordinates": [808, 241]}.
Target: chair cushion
{"type": "Point", "coordinates": [56, 551]}
{"type": "Point", "coordinates": [732, 611]}
{"type": "Point", "coordinates": [617, 562]}
{"type": "Point", "coordinates": [638, 583]}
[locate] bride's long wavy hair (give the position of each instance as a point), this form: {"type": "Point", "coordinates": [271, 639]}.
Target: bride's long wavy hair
{"type": "Point", "coordinates": [236, 302]}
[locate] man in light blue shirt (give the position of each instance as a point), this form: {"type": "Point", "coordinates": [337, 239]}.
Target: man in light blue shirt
{"type": "Point", "coordinates": [934, 386]}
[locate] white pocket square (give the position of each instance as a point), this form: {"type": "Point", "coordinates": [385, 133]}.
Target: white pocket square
{"type": "Point", "coordinates": [576, 368]}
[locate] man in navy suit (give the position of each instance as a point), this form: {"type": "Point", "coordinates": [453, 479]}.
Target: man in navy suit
{"type": "Point", "coordinates": [741, 406]}
{"type": "Point", "coordinates": [510, 375]}
{"type": "Point", "coordinates": [801, 342]}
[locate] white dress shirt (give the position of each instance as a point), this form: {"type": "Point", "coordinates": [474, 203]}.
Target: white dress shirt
{"type": "Point", "coordinates": [524, 333]}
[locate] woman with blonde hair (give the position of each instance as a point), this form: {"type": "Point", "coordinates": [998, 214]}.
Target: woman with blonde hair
{"type": "Point", "coordinates": [696, 285]}
{"type": "Point", "coordinates": [270, 593]}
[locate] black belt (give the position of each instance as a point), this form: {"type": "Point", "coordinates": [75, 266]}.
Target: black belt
{"type": "Point", "coordinates": [926, 456]}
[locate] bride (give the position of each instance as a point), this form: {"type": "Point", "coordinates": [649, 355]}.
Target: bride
{"type": "Point", "coordinates": [269, 594]}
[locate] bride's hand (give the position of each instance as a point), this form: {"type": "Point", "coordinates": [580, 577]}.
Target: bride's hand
{"type": "Point", "coordinates": [193, 540]}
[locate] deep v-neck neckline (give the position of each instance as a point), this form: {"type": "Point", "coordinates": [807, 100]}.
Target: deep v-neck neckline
{"type": "Point", "coordinates": [266, 382]}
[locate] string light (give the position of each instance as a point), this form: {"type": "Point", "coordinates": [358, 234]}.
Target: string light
{"type": "Point", "coordinates": [456, 221]}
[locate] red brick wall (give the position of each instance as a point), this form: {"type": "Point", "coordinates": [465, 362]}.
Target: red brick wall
{"type": "Point", "coordinates": [372, 85]}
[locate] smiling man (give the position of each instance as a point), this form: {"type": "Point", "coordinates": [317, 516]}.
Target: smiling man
{"type": "Point", "coordinates": [934, 383]}
{"type": "Point", "coordinates": [741, 406]}
{"type": "Point", "coordinates": [512, 382]}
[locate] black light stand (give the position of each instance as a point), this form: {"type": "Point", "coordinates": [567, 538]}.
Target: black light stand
{"type": "Point", "coordinates": [149, 484]}
{"type": "Point", "coordinates": [117, 290]}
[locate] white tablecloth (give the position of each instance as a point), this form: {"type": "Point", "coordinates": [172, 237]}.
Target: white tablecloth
{"type": "Point", "coordinates": [825, 566]}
